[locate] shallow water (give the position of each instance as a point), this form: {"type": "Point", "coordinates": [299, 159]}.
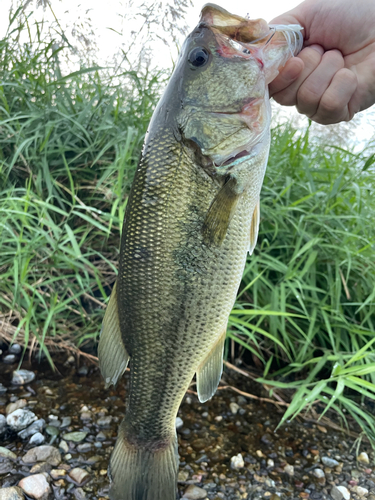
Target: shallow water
{"type": "Point", "coordinates": [271, 462]}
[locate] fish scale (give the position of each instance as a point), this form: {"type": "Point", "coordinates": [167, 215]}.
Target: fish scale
{"type": "Point", "coordinates": [191, 218]}
{"type": "Point", "coordinates": [165, 307]}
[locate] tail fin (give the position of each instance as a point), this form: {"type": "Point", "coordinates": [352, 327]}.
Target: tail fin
{"type": "Point", "coordinates": [143, 474]}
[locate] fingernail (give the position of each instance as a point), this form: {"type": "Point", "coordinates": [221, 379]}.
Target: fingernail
{"type": "Point", "coordinates": [318, 48]}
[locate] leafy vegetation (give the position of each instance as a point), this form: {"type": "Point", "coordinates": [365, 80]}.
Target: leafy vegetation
{"type": "Point", "coordinates": [68, 149]}
{"type": "Point", "coordinates": [314, 271]}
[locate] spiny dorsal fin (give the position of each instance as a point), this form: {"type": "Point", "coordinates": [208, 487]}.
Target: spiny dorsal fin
{"type": "Point", "coordinates": [254, 228]}
{"type": "Point", "coordinates": [113, 357]}
{"type": "Point", "coordinates": [220, 214]}
{"type": "Point", "coordinates": [209, 372]}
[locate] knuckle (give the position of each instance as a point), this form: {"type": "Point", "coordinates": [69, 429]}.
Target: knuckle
{"type": "Point", "coordinates": [308, 95]}
{"type": "Point", "coordinates": [311, 57]}
{"type": "Point", "coordinates": [329, 105]}
{"type": "Point", "coordinates": [334, 58]}
{"type": "Point", "coordinates": [285, 98]}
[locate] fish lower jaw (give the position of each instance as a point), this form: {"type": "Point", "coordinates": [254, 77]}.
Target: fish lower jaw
{"type": "Point", "coordinates": [223, 163]}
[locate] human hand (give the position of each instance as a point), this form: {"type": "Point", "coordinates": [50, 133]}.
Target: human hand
{"type": "Point", "coordinates": [333, 77]}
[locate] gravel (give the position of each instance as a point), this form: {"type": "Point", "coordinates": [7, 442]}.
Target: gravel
{"type": "Point", "coordinates": [223, 455]}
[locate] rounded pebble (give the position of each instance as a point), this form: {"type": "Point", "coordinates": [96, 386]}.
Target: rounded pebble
{"type": "Point", "coordinates": [179, 423]}
{"type": "Point", "coordinates": [3, 423]}
{"type": "Point", "coordinates": [237, 462]}
{"type": "Point", "coordinates": [194, 493]}
{"type": "Point", "coordinates": [15, 349]}
{"type": "Point", "coordinates": [319, 473]}
{"type": "Point", "coordinates": [329, 462]}
{"type": "Point", "coordinates": [35, 427]}
{"type": "Point", "coordinates": [21, 377]}
{"type": "Point", "coordinates": [79, 476]}
{"type": "Point", "coordinates": [12, 493]}
{"type": "Point", "coordinates": [234, 407]}
{"type": "Point", "coordinates": [44, 453]}
{"type": "Point", "coordinates": [37, 439]}
{"type": "Point", "coordinates": [363, 458]}
{"type": "Point", "coordinates": [20, 419]}
{"type": "Point", "coordinates": [36, 486]}
{"type": "Point", "coordinates": [76, 437]}
{"type": "Point", "coordinates": [9, 359]}
{"type": "Point", "coordinates": [4, 452]}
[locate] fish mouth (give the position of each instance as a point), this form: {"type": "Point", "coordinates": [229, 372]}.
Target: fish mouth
{"type": "Point", "coordinates": [233, 160]}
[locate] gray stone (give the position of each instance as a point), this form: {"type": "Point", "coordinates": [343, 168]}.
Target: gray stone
{"type": "Point", "coordinates": [101, 436]}
{"type": "Point", "coordinates": [83, 371]}
{"type": "Point", "coordinates": [9, 359]}
{"type": "Point", "coordinates": [179, 423]}
{"type": "Point", "coordinates": [20, 419]}
{"type": "Point", "coordinates": [21, 377]}
{"type": "Point", "coordinates": [75, 436]}
{"type": "Point", "coordinates": [80, 494]}
{"type": "Point", "coordinates": [84, 447]}
{"type": "Point", "coordinates": [15, 349]}
{"type": "Point", "coordinates": [194, 493]}
{"type": "Point", "coordinates": [36, 486]}
{"type": "Point", "coordinates": [104, 421]}
{"type": "Point", "coordinates": [340, 493]}
{"type": "Point", "coordinates": [329, 462]}
{"type": "Point", "coordinates": [3, 423]}
{"type": "Point", "coordinates": [3, 389]}
{"type": "Point", "coordinates": [44, 453]}
{"type": "Point", "coordinates": [4, 452]}
{"type": "Point", "coordinates": [64, 446]}
{"type": "Point", "coordinates": [35, 427]}
{"type": "Point", "coordinates": [66, 421]}
{"type": "Point", "coordinates": [319, 473]}
{"type": "Point", "coordinates": [37, 439]}
{"type": "Point", "coordinates": [79, 476]}
{"type": "Point", "coordinates": [12, 493]}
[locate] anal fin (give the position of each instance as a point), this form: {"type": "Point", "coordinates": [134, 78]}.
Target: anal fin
{"type": "Point", "coordinates": [209, 372]}
{"type": "Point", "coordinates": [113, 358]}
{"type": "Point", "coordinates": [254, 228]}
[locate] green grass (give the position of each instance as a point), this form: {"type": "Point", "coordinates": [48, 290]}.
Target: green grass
{"type": "Point", "coordinates": [69, 146]}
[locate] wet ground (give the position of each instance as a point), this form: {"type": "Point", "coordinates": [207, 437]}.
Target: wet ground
{"type": "Point", "coordinates": [228, 447]}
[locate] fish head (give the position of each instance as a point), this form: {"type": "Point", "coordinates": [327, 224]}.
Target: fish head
{"type": "Point", "coordinates": [221, 82]}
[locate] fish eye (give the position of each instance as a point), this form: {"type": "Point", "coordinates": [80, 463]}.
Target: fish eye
{"type": "Point", "coordinates": [198, 57]}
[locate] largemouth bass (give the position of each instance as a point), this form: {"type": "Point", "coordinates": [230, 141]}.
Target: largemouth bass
{"type": "Point", "coordinates": [191, 218]}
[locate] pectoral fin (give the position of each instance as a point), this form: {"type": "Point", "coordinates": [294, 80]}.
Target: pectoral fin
{"type": "Point", "coordinates": [220, 214]}
{"type": "Point", "coordinates": [113, 357]}
{"type": "Point", "coordinates": [209, 372]}
{"type": "Point", "coordinates": [254, 228]}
